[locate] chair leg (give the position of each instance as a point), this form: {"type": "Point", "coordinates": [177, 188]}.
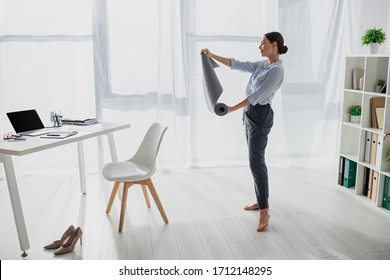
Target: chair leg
{"type": "Point", "coordinates": [156, 199]}
{"type": "Point", "coordinates": [145, 191]}
{"type": "Point", "coordinates": [123, 208]}
{"type": "Point", "coordinates": [112, 197]}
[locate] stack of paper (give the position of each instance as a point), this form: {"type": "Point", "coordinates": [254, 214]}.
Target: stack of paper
{"type": "Point", "coordinates": [80, 122]}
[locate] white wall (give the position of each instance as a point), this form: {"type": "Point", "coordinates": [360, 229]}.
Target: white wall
{"type": "Point", "coordinates": [368, 14]}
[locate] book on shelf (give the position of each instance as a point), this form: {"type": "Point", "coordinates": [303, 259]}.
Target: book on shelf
{"type": "Point", "coordinates": [357, 75]}
{"type": "Point", "coordinates": [386, 193]}
{"type": "Point", "coordinates": [379, 148]}
{"type": "Point", "coordinates": [341, 171]}
{"type": "Point", "coordinates": [383, 89]}
{"type": "Point", "coordinates": [370, 180]}
{"type": "Point", "coordinates": [373, 147]}
{"type": "Point", "coordinates": [379, 115]}
{"type": "Point", "coordinates": [367, 147]}
{"type": "Point", "coordinates": [376, 102]}
{"type": "Point", "coordinates": [374, 185]}
{"type": "Point", "coordinates": [366, 177]}
{"type": "Point", "coordinates": [349, 173]}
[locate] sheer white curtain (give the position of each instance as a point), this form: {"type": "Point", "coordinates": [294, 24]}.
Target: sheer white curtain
{"type": "Point", "coordinates": [230, 29]}
{"type": "Point", "coordinates": [154, 73]}
{"type": "Point", "coordinates": [306, 108]}
{"type": "Point", "coordinates": [154, 57]}
{"type": "Point", "coordinates": [311, 94]}
{"type": "Point", "coordinates": [320, 34]}
{"type": "Point", "coordinates": [46, 63]}
{"type": "Point", "coordinates": [146, 76]}
{"type": "Point", "coordinates": [139, 62]}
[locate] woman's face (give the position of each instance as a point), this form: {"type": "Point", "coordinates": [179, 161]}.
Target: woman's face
{"type": "Point", "coordinates": [267, 48]}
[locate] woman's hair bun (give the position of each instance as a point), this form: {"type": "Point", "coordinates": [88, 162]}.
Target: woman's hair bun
{"type": "Point", "coordinates": [283, 50]}
{"type": "Point", "coordinates": [278, 38]}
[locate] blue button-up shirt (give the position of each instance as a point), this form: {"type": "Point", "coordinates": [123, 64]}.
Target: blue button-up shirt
{"type": "Point", "coordinates": [266, 79]}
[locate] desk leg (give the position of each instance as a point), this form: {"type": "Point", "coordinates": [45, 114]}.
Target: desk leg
{"type": "Point", "coordinates": [111, 143]}
{"type": "Point", "coordinates": [83, 184]}
{"type": "Point", "coordinates": [16, 203]}
{"type": "Point", "coordinates": [114, 156]}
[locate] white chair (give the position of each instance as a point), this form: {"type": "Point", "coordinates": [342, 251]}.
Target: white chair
{"type": "Point", "coordinates": [137, 170]}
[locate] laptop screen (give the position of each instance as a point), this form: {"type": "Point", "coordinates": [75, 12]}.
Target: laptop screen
{"type": "Point", "coordinates": [25, 120]}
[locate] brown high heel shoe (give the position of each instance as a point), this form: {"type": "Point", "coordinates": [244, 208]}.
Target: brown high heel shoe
{"type": "Point", "coordinates": [70, 243]}
{"type": "Point", "coordinates": [58, 243]}
{"type": "Point", "coordinates": [264, 218]}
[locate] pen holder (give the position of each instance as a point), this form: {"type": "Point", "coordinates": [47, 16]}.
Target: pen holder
{"type": "Point", "coordinates": [56, 119]}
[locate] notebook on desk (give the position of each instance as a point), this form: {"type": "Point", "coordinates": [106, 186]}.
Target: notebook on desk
{"type": "Point", "coordinates": [27, 123]}
{"type": "Point", "coordinates": [59, 134]}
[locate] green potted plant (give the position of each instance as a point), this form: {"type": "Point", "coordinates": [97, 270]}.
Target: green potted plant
{"type": "Point", "coordinates": [373, 37]}
{"type": "Point", "coordinates": [355, 111]}
{"type": "Point", "coordinates": [379, 84]}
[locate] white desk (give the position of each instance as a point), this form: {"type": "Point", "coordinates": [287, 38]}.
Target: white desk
{"type": "Point", "coordinates": [36, 144]}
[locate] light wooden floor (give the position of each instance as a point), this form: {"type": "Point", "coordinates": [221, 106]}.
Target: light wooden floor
{"type": "Point", "coordinates": [311, 218]}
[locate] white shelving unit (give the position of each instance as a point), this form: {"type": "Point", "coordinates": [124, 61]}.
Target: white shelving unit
{"type": "Point", "coordinates": [354, 135]}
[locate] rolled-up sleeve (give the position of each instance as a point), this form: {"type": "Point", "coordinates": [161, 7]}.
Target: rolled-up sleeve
{"type": "Point", "coordinates": [246, 66]}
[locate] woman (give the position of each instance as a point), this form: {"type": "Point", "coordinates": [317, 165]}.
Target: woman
{"type": "Point", "coordinates": [267, 77]}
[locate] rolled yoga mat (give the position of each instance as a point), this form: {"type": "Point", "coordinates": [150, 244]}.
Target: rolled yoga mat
{"type": "Point", "coordinates": [211, 86]}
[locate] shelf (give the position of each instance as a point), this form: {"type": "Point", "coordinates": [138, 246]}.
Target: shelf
{"type": "Point", "coordinates": [376, 68]}
{"type": "Point", "coordinates": [369, 165]}
{"type": "Point", "coordinates": [354, 91]}
{"type": "Point", "coordinates": [374, 94]}
{"type": "Point", "coordinates": [351, 157]}
{"type": "Point", "coordinates": [360, 142]}
{"type": "Point", "coordinates": [350, 138]}
{"type": "Point", "coordinates": [353, 63]}
{"type": "Point", "coordinates": [355, 125]}
{"type": "Point", "coordinates": [374, 130]}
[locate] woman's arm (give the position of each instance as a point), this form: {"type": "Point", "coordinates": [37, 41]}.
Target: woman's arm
{"type": "Point", "coordinates": [223, 60]}
{"type": "Point", "coordinates": [227, 62]}
{"type": "Point", "coordinates": [243, 103]}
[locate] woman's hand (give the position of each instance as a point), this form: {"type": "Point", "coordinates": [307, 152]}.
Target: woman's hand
{"type": "Point", "coordinates": [240, 105]}
{"type": "Point", "coordinates": [223, 60]}
{"type": "Point", "coordinates": [206, 51]}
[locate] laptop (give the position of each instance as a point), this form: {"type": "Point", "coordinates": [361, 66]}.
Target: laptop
{"type": "Point", "coordinates": [27, 123]}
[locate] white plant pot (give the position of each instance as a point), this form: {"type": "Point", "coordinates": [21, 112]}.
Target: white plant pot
{"type": "Point", "coordinates": [374, 48]}
{"type": "Point", "coordinates": [355, 119]}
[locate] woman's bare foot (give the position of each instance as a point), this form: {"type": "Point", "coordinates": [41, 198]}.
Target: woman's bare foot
{"type": "Point", "coordinates": [263, 221]}
{"type": "Point", "coordinates": [253, 206]}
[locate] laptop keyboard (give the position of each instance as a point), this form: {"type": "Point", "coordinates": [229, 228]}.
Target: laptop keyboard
{"type": "Point", "coordinates": [37, 132]}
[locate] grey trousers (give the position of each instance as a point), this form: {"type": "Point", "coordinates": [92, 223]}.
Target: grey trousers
{"type": "Point", "coordinates": [258, 121]}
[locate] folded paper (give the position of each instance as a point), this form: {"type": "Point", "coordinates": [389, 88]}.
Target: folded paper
{"type": "Point", "coordinates": [211, 86]}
